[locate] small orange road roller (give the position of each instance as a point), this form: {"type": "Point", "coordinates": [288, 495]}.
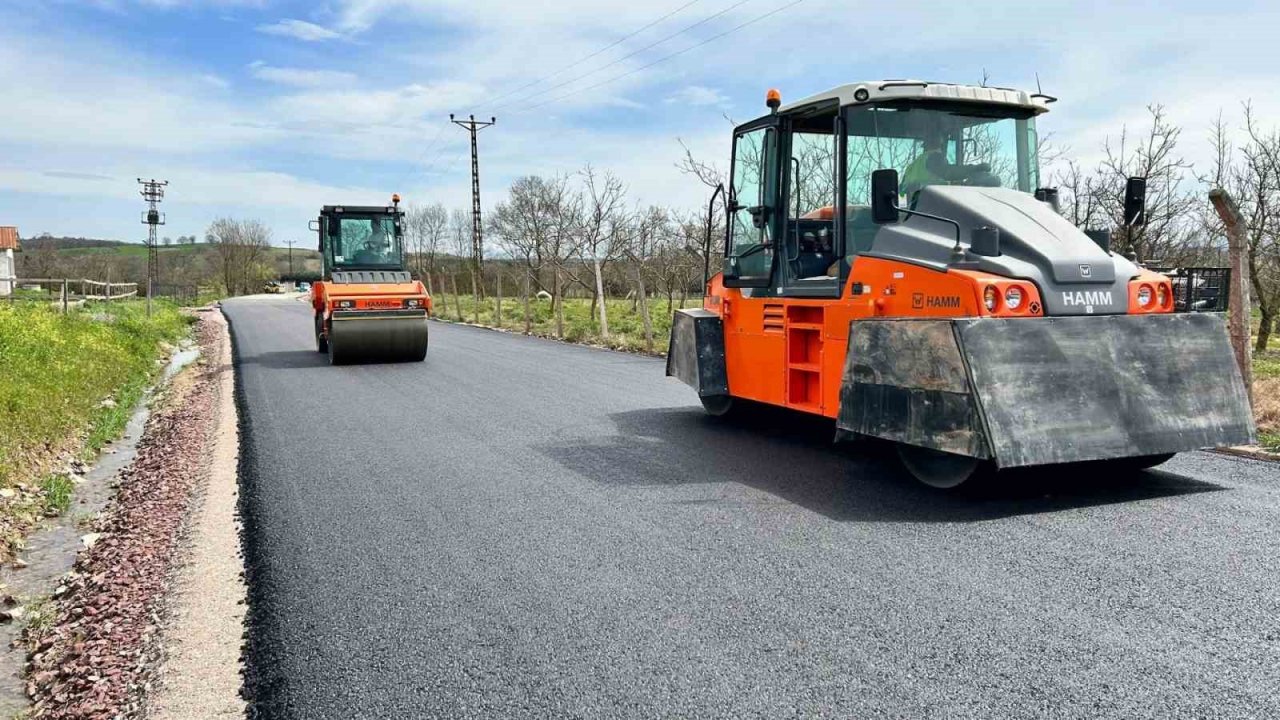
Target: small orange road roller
{"type": "Point", "coordinates": [367, 308]}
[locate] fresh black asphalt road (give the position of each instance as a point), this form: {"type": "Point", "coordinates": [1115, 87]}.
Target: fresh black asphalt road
{"type": "Point", "coordinates": [518, 528]}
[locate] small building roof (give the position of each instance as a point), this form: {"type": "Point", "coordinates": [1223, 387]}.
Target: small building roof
{"type": "Point", "coordinates": [9, 238]}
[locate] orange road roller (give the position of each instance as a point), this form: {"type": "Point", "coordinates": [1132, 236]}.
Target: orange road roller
{"type": "Point", "coordinates": [892, 262]}
{"type": "Point", "coordinates": [367, 307]}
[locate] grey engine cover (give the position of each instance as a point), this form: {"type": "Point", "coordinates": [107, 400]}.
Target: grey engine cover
{"type": "Point", "coordinates": [1073, 274]}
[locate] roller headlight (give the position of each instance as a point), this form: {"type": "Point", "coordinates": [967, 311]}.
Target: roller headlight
{"type": "Point", "coordinates": [413, 303]}
{"type": "Point", "coordinates": [991, 297]}
{"type": "Point", "coordinates": [345, 304]}
{"type": "Point", "coordinates": [1013, 297]}
{"type": "Point", "coordinates": [1162, 295]}
{"type": "Point", "coordinates": [1145, 296]}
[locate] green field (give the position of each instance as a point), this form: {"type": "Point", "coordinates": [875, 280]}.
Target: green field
{"type": "Point", "coordinates": [69, 382]}
{"type": "Point", "coordinates": [626, 328]}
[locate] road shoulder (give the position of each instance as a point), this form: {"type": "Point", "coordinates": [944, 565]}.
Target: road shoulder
{"type": "Point", "coordinates": [203, 636]}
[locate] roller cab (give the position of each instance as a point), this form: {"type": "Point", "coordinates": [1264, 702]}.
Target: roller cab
{"type": "Point", "coordinates": [368, 308]}
{"type": "Point", "coordinates": [892, 263]}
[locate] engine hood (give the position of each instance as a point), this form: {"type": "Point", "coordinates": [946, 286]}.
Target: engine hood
{"type": "Point", "coordinates": [1037, 244]}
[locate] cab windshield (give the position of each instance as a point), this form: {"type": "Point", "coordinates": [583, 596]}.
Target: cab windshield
{"type": "Point", "coordinates": [941, 144]}
{"type": "Point", "coordinates": [366, 242]}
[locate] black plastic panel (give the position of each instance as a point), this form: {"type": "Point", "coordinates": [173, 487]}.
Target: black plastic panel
{"type": "Point", "coordinates": [696, 353]}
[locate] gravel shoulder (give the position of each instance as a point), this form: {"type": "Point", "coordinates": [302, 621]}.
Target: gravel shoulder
{"type": "Point", "coordinates": [204, 631]}
{"type": "Point", "coordinates": [101, 652]}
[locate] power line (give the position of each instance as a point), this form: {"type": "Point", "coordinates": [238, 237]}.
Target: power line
{"type": "Point", "coordinates": [421, 157]}
{"type": "Point", "coordinates": [602, 50]}
{"type": "Point", "coordinates": [544, 78]}
{"type": "Point", "coordinates": [632, 54]}
{"type": "Point", "coordinates": [662, 59]}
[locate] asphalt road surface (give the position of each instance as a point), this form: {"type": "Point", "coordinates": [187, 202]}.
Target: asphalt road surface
{"type": "Point", "coordinates": [520, 528]}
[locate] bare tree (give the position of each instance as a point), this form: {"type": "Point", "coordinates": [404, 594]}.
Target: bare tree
{"type": "Point", "coordinates": [598, 242]}
{"type": "Point", "coordinates": [1171, 202]}
{"type": "Point", "coordinates": [532, 226]}
{"type": "Point", "coordinates": [460, 237]}
{"type": "Point", "coordinates": [425, 229]}
{"type": "Point", "coordinates": [242, 248]}
{"type": "Point", "coordinates": [1251, 174]}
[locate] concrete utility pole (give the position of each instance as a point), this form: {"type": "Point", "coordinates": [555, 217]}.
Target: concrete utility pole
{"type": "Point", "coordinates": [290, 243]}
{"type": "Point", "coordinates": [477, 242]}
{"type": "Point", "coordinates": [153, 192]}
{"type": "Point", "coordinates": [1238, 297]}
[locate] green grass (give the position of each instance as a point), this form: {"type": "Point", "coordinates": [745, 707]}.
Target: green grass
{"type": "Point", "coordinates": [57, 370]}
{"type": "Point", "coordinates": [1269, 441]}
{"type": "Point", "coordinates": [57, 493]}
{"type": "Point", "coordinates": [1267, 365]}
{"type": "Point", "coordinates": [626, 327]}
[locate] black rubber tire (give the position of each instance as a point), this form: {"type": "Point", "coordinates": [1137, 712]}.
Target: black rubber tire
{"type": "Point", "coordinates": [718, 405]}
{"type": "Point", "coordinates": [322, 345]}
{"type": "Point", "coordinates": [1139, 463]}
{"type": "Point", "coordinates": [937, 469]}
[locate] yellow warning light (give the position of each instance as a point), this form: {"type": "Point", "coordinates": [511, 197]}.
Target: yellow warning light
{"type": "Point", "coordinates": [773, 98]}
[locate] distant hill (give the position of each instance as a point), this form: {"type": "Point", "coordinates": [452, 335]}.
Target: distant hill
{"type": "Point", "coordinates": [195, 263]}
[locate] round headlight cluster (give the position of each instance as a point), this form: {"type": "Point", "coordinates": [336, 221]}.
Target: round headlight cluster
{"type": "Point", "coordinates": [1013, 297]}
{"type": "Point", "coordinates": [991, 297]}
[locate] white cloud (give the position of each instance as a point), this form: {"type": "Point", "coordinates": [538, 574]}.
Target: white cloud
{"type": "Point", "coordinates": [215, 80]}
{"type": "Point", "coordinates": [299, 77]}
{"type": "Point", "coordinates": [299, 30]}
{"type": "Point", "coordinates": [697, 95]}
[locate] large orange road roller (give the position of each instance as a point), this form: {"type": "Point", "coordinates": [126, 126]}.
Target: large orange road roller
{"type": "Point", "coordinates": [367, 308]}
{"type": "Point", "coordinates": [893, 263]}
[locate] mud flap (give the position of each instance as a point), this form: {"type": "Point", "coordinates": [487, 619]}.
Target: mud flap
{"type": "Point", "coordinates": [1047, 390]}
{"type": "Point", "coordinates": [696, 352]}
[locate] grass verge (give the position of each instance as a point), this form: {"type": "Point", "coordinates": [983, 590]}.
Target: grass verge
{"type": "Point", "coordinates": [626, 326]}
{"type": "Point", "coordinates": [69, 383]}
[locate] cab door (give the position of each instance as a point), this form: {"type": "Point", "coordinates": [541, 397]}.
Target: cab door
{"type": "Point", "coordinates": [754, 216]}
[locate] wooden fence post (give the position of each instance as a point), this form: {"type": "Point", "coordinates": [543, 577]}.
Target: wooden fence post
{"type": "Point", "coordinates": [1238, 299]}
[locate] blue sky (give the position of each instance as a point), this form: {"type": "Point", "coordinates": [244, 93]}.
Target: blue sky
{"type": "Point", "coordinates": [264, 109]}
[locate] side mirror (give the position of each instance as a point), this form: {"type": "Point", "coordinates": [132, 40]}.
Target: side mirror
{"type": "Point", "coordinates": [314, 226]}
{"type": "Point", "coordinates": [884, 196]}
{"type": "Point", "coordinates": [1135, 201]}
{"type": "Point", "coordinates": [335, 227]}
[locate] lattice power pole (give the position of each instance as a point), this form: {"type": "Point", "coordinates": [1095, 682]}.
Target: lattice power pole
{"type": "Point", "coordinates": [153, 192]}
{"type": "Point", "coordinates": [477, 237]}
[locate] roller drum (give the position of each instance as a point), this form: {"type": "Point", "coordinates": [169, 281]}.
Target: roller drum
{"type": "Point", "coordinates": [372, 339]}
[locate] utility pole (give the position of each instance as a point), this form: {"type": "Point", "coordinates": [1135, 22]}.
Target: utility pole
{"type": "Point", "coordinates": [477, 240]}
{"type": "Point", "coordinates": [153, 192]}
{"type": "Point", "coordinates": [290, 243]}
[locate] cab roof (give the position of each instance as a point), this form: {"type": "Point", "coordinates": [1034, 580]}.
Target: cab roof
{"type": "Point", "coordinates": [881, 90]}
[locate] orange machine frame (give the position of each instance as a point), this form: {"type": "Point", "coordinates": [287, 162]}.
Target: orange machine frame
{"type": "Point", "coordinates": [791, 351]}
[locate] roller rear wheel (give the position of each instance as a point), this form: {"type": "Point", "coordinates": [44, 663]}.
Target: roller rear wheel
{"type": "Point", "coordinates": [322, 344]}
{"type": "Point", "coordinates": [1142, 462]}
{"type": "Point", "coordinates": [717, 405]}
{"type": "Point", "coordinates": [938, 469]}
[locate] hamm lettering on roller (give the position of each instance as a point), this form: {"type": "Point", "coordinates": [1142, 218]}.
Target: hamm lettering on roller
{"type": "Point", "coordinates": [945, 301]}
{"type": "Point", "coordinates": [1091, 297]}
